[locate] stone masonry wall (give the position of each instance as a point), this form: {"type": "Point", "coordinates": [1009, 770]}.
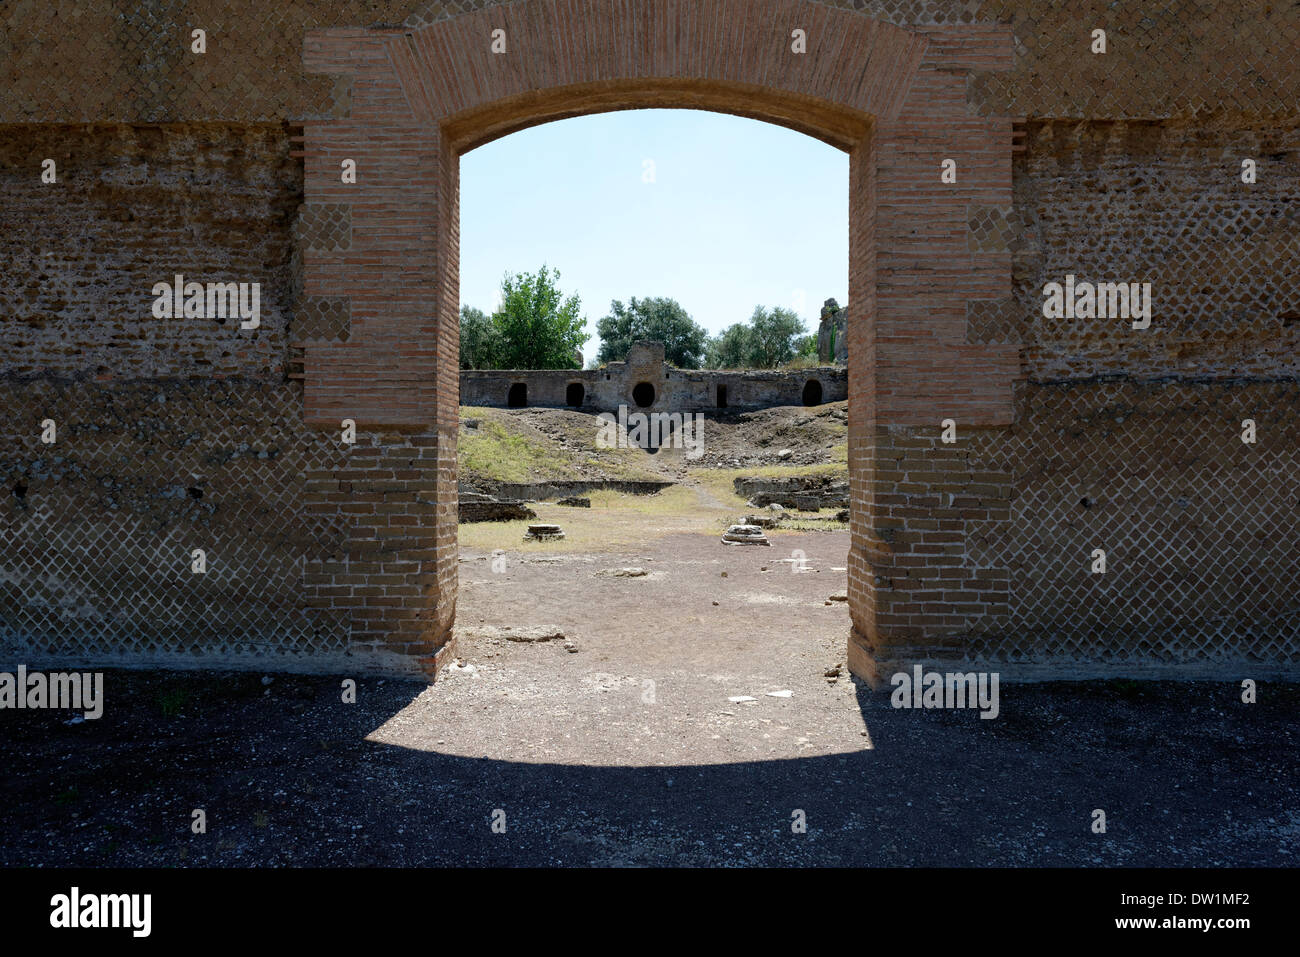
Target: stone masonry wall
{"type": "Point", "coordinates": [134, 205]}
{"type": "Point", "coordinates": [1124, 440]}
{"type": "Point", "coordinates": [993, 536]}
{"type": "Point", "coordinates": [314, 549]}
{"type": "Point", "coordinates": [68, 61]}
{"type": "Point", "coordinates": [184, 433]}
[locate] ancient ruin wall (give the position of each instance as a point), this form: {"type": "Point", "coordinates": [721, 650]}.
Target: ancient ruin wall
{"type": "Point", "coordinates": [1124, 440]}
{"type": "Point", "coordinates": [675, 390]}
{"type": "Point", "coordinates": [72, 62]}
{"type": "Point", "coordinates": [179, 432]}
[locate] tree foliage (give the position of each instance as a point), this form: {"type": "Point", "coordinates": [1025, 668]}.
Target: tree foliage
{"type": "Point", "coordinates": [770, 339]}
{"type": "Point", "coordinates": [657, 318]}
{"type": "Point", "coordinates": [536, 327]}
{"type": "Point", "coordinates": [775, 331]}
{"type": "Point", "coordinates": [479, 339]}
{"type": "Point", "coordinates": [731, 348]}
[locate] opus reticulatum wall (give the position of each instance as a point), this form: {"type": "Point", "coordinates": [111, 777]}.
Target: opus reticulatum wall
{"type": "Point", "coordinates": [1053, 481]}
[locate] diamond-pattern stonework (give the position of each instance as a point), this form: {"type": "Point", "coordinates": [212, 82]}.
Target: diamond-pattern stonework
{"type": "Point", "coordinates": [1198, 527]}
{"type": "Point", "coordinates": [1165, 204]}
{"type": "Point", "coordinates": [326, 227]}
{"type": "Point", "coordinates": [99, 529]}
{"type": "Point", "coordinates": [1074, 434]}
{"type": "Point", "coordinates": [322, 317]}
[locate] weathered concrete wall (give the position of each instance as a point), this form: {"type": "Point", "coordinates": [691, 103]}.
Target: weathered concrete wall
{"type": "Point", "coordinates": [324, 555]}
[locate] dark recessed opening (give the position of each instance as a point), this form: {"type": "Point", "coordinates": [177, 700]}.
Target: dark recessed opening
{"type": "Point", "coordinates": [812, 393]}
{"type": "Point", "coordinates": [1085, 502]}
{"type": "Point", "coordinates": [20, 490]}
{"type": "Point", "coordinates": [574, 395]}
{"type": "Point", "coordinates": [722, 397]}
{"type": "Point", "coordinates": [517, 397]}
{"type": "Point", "coordinates": [644, 394]}
{"type": "Point", "coordinates": [196, 493]}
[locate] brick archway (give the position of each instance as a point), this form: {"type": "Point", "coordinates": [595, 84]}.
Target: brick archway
{"type": "Point", "coordinates": [383, 252]}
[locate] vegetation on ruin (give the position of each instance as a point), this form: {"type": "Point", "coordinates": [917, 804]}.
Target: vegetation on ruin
{"type": "Point", "coordinates": [772, 338]}
{"type": "Point", "coordinates": [505, 448]}
{"type": "Point", "coordinates": [657, 318]}
{"type": "Point", "coordinates": [536, 326]}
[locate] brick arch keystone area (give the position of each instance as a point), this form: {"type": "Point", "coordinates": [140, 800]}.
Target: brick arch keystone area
{"type": "Point", "coordinates": [409, 101]}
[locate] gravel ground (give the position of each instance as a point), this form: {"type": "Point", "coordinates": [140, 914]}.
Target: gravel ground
{"type": "Point", "coordinates": [619, 744]}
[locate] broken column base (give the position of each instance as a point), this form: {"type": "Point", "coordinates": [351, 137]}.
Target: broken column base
{"type": "Point", "coordinates": [542, 532]}
{"type": "Point", "coordinates": [745, 535]}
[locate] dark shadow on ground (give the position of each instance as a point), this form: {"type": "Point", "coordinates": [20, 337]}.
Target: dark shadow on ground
{"type": "Point", "coordinates": [1186, 773]}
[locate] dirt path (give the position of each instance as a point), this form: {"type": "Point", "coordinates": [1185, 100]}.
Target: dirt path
{"type": "Point", "coordinates": [663, 637]}
{"type": "Point", "coordinates": [630, 751]}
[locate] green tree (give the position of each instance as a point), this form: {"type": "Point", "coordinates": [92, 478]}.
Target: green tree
{"type": "Point", "coordinates": [538, 328]}
{"type": "Point", "coordinates": [731, 348]}
{"type": "Point", "coordinates": [479, 339]}
{"type": "Point", "coordinates": [774, 335]}
{"type": "Point", "coordinates": [657, 318]}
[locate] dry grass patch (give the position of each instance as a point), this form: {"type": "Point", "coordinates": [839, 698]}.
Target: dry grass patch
{"type": "Point", "coordinates": [614, 520]}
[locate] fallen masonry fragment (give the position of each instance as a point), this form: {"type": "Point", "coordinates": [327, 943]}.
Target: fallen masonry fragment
{"type": "Point", "coordinates": [541, 532]}
{"type": "Point", "coordinates": [745, 535]}
{"type": "Point", "coordinates": [623, 573]}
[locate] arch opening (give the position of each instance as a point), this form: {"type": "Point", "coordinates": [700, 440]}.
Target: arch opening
{"type": "Point", "coordinates": [812, 392]}
{"type": "Point", "coordinates": [517, 397]}
{"type": "Point", "coordinates": [574, 395]}
{"type": "Point", "coordinates": [643, 394]}
{"type": "Point", "coordinates": [833, 124]}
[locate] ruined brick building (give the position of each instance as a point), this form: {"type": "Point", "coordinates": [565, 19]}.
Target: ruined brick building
{"type": "Point", "coordinates": [645, 381]}
{"type": "Point", "coordinates": [178, 487]}
{"type": "Point", "coordinates": [832, 343]}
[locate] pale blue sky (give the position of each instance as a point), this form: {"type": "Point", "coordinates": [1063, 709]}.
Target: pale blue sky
{"type": "Point", "coordinates": [740, 213]}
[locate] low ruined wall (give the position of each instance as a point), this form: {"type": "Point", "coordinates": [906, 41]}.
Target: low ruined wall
{"type": "Point", "coordinates": [826, 490]}
{"type": "Point", "coordinates": [552, 491]}
{"type": "Point", "coordinates": [675, 390]}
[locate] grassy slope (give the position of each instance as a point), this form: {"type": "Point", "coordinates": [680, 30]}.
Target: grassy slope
{"type": "Point", "coordinates": [511, 450]}
{"type": "Point", "coordinates": [508, 447]}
